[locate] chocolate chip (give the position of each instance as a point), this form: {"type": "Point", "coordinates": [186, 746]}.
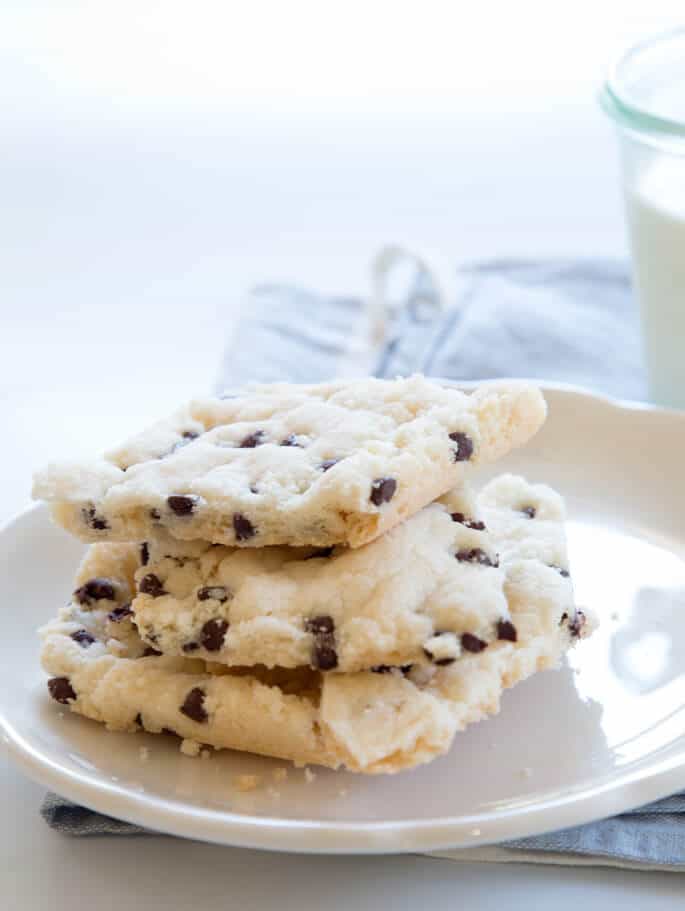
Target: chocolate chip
{"type": "Point", "coordinates": [328, 463]}
{"type": "Point", "coordinates": [254, 488]}
{"type": "Point", "coordinates": [324, 655]}
{"type": "Point", "coordinates": [529, 511]}
{"type": "Point", "coordinates": [190, 646]}
{"type": "Point", "coordinates": [96, 589]}
{"type": "Point", "coordinates": [471, 643]}
{"type": "Point", "coordinates": [562, 572]}
{"type": "Point", "coordinates": [506, 631]}
{"type": "Point", "coordinates": [217, 592]}
{"type": "Point", "coordinates": [61, 690]}
{"type": "Point", "coordinates": [213, 634]}
{"type": "Point", "coordinates": [476, 555]}
{"type": "Point", "coordinates": [475, 524]}
{"type": "Point", "coordinates": [321, 552]}
{"type": "Point", "coordinates": [382, 490]}
{"type": "Point", "coordinates": [564, 618]}
{"type": "Point", "coordinates": [253, 440]}
{"type": "Point", "coordinates": [91, 518]}
{"type": "Point", "coordinates": [320, 625]}
{"type": "Point", "coordinates": [244, 529]}
{"type": "Point", "coordinates": [120, 613]}
{"type": "Point", "coordinates": [182, 505]}
{"type": "Point", "coordinates": [151, 652]}
{"type": "Point", "coordinates": [151, 585]}
{"type": "Point", "coordinates": [170, 732]}
{"type": "Point", "coordinates": [290, 440]}
{"type": "Point", "coordinates": [144, 554]}
{"type": "Point", "coordinates": [190, 434]}
{"type": "Point", "coordinates": [83, 638]}
{"type": "Point", "coordinates": [387, 668]}
{"type": "Point", "coordinates": [194, 706]}
{"type": "Point", "coordinates": [576, 625]}
{"type": "Point", "coordinates": [464, 449]}
{"type": "Point", "coordinates": [139, 720]}
{"type": "Point", "coordinates": [155, 515]}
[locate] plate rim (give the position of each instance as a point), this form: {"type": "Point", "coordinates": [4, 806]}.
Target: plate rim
{"type": "Point", "coordinates": [618, 793]}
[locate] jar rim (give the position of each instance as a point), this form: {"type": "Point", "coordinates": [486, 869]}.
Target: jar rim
{"type": "Point", "coordinates": [615, 99]}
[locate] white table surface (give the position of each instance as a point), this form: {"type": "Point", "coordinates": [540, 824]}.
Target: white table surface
{"type": "Point", "coordinates": [125, 248]}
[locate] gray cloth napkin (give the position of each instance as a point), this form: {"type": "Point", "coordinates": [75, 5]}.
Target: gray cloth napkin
{"type": "Point", "coordinates": [569, 322]}
{"type": "Point", "coordinates": [566, 321]}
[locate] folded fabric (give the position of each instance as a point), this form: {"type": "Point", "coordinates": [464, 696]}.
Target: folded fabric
{"type": "Point", "coordinates": [651, 838]}
{"type": "Point", "coordinates": [567, 321]}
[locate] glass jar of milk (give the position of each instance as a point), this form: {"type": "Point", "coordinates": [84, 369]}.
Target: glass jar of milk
{"type": "Point", "coordinates": [645, 95]}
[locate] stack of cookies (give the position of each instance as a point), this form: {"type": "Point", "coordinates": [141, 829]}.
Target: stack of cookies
{"type": "Point", "coordinates": [305, 572]}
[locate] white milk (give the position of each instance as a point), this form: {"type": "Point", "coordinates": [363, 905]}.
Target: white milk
{"type": "Point", "coordinates": [656, 213]}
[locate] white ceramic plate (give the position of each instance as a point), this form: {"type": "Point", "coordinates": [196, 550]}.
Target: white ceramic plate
{"type": "Point", "coordinates": [602, 735]}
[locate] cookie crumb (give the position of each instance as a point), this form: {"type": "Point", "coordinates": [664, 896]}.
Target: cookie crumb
{"type": "Point", "coordinates": [309, 776]}
{"type": "Point", "coordinates": [144, 754]}
{"type": "Point", "coordinates": [280, 773]}
{"type": "Point", "coordinates": [442, 648]}
{"type": "Point", "coordinates": [247, 782]}
{"type": "Point", "coordinates": [190, 747]}
{"type": "Point", "coordinates": [422, 674]}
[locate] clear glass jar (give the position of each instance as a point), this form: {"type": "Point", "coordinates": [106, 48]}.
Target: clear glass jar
{"type": "Point", "coordinates": [645, 96]}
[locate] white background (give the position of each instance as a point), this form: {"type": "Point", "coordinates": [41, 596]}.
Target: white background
{"type": "Point", "coordinates": [159, 157]}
